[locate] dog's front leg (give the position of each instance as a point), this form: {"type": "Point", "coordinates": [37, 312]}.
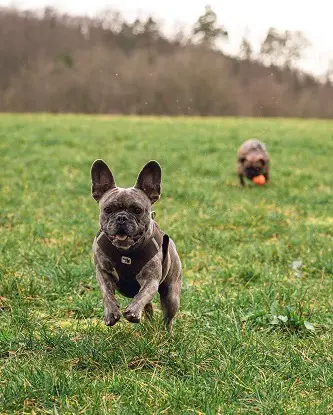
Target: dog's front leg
{"type": "Point", "coordinates": [111, 307]}
{"type": "Point", "coordinates": [148, 288]}
{"type": "Point", "coordinates": [241, 180]}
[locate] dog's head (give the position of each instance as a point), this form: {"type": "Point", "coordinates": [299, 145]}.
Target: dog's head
{"type": "Point", "coordinates": [253, 164]}
{"type": "Point", "coordinates": [125, 214]}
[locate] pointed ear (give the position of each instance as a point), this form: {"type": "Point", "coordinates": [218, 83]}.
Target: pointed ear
{"type": "Point", "coordinates": [149, 180]}
{"type": "Point", "coordinates": [101, 179]}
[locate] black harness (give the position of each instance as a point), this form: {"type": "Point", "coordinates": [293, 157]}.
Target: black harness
{"type": "Point", "coordinates": [129, 263]}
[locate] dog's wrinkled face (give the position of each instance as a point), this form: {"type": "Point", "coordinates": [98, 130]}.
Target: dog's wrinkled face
{"type": "Point", "coordinates": [252, 165]}
{"type": "Point", "coordinates": [125, 214]}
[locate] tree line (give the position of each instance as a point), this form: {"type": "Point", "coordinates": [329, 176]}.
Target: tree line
{"type": "Point", "coordinates": [55, 62]}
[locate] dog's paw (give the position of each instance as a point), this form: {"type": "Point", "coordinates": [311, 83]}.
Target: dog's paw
{"type": "Point", "coordinates": [111, 317]}
{"type": "Point", "coordinates": [132, 314]}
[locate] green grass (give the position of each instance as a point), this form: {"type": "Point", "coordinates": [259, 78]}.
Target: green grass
{"type": "Point", "coordinates": [252, 336]}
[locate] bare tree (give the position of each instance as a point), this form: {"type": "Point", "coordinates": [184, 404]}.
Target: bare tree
{"type": "Point", "coordinates": [296, 44]}
{"type": "Point", "coordinates": [245, 50]}
{"type": "Point", "coordinates": [329, 72]}
{"type": "Point", "coordinates": [272, 48]}
{"type": "Point", "coordinates": [208, 30]}
{"type": "Point", "coordinates": [283, 48]}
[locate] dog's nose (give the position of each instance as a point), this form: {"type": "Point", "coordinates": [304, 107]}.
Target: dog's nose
{"type": "Point", "coordinates": [121, 219]}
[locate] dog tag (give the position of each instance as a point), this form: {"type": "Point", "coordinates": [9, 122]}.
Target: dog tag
{"type": "Point", "coordinates": [126, 260]}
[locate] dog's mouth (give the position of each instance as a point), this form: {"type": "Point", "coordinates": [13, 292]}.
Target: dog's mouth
{"type": "Point", "coordinates": [251, 172]}
{"type": "Point", "coordinates": [120, 237]}
{"type": "Point", "coordinates": [123, 239]}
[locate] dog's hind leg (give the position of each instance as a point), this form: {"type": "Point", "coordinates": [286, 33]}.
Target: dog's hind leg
{"type": "Point", "coordinates": [170, 301]}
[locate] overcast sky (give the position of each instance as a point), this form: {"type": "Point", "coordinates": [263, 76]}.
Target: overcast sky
{"type": "Point", "coordinates": [253, 17]}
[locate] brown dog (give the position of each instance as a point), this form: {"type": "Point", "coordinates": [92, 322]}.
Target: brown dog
{"type": "Point", "coordinates": [131, 254]}
{"type": "Point", "coordinates": [252, 160]}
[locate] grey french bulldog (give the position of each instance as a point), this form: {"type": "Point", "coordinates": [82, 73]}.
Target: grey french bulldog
{"type": "Point", "coordinates": [131, 254]}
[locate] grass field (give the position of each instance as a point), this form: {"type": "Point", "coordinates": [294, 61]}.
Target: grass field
{"type": "Point", "coordinates": [253, 334]}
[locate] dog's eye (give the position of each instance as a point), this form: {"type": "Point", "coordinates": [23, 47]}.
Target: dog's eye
{"type": "Point", "coordinates": [109, 209]}
{"type": "Point", "coordinates": [137, 210]}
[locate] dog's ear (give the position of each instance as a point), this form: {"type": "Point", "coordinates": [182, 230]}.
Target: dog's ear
{"type": "Point", "coordinates": [101, 179]}
{"type": "Point", "coordinates": [149, 180]}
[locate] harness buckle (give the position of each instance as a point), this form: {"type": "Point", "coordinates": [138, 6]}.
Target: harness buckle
{"type": "Point", "coordinates": [126, 260]}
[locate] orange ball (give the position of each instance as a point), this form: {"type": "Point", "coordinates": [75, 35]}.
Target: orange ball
{"type": "Point", "coordinates": [259, 180]}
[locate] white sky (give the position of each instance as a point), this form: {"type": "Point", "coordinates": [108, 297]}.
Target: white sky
{"type": "Point", "coordinates": [253, 17]}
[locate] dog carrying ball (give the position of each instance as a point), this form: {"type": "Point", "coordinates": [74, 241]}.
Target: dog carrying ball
{"type": "Point", "coordinates": [260, 180]}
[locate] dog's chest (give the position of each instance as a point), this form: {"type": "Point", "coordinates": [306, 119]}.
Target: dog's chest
{"type": "Point", "coordinates": [127, 285]}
